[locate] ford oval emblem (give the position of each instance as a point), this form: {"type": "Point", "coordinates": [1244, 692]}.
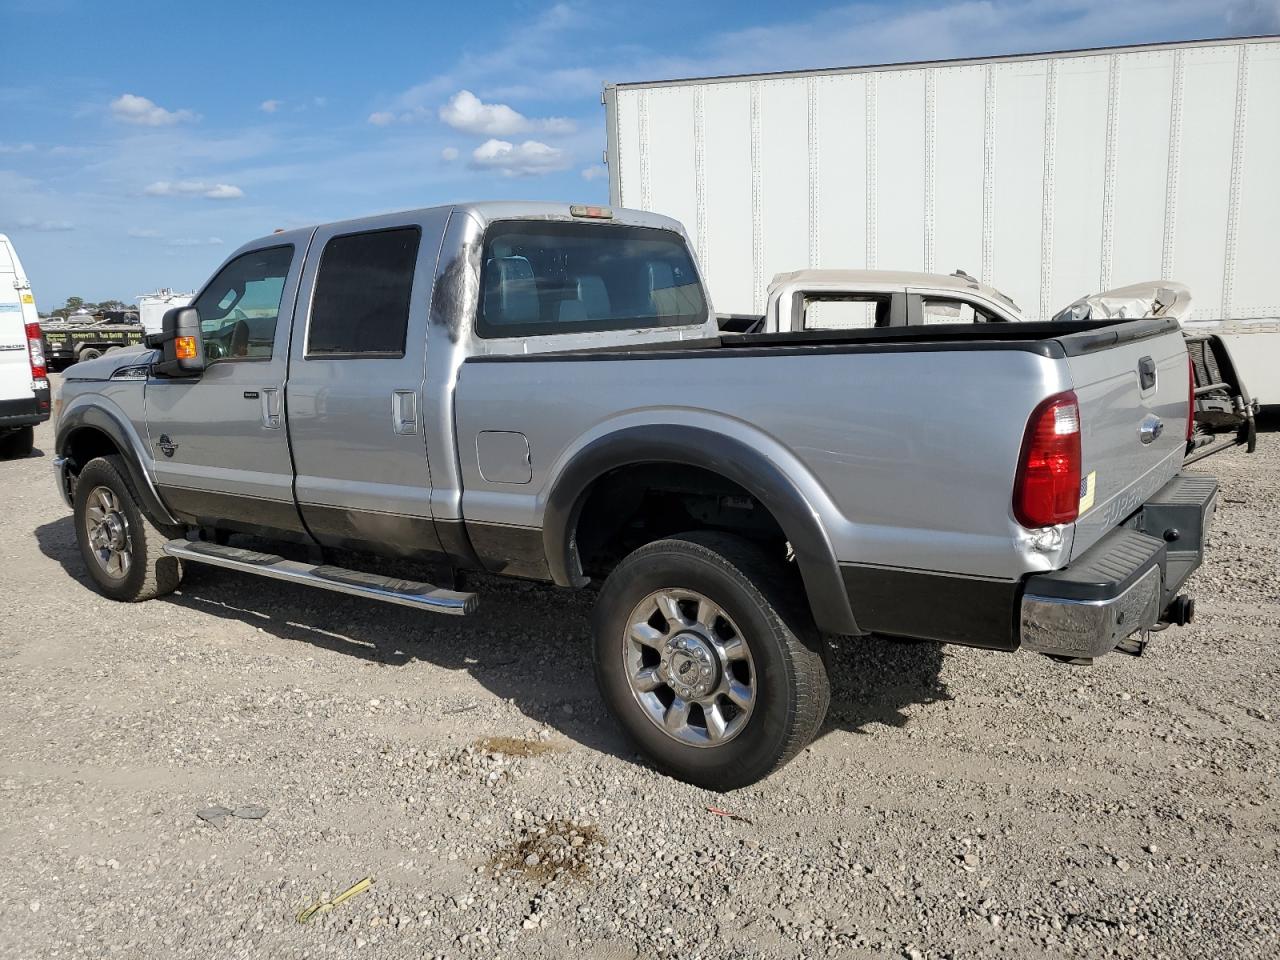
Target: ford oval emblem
{"type": "Point", "coordinates": [1150, 428]}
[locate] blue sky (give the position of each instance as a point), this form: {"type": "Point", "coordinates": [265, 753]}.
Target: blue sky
{"type": "Point", "coordinates": [141, 142]}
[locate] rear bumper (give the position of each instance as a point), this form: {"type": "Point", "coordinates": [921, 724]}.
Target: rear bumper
{"type": "Point", "coordinates": [26, 411]}
{"type": "Point", "coordinates": [1126, 581]}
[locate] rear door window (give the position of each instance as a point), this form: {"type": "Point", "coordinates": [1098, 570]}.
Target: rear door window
{"type": "Point", "coordinates": [360, 307]}
{"type": "Point", "coordinates": [545, 277]}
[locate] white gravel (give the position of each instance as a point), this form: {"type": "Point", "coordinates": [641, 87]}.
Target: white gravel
{"type": "Point", "coordinates": [959, 802]}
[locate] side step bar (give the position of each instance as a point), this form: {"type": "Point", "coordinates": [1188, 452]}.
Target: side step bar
{"type": "Point", "coordinates": [409, 593]}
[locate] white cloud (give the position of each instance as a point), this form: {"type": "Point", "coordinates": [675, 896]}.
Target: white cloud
{"type": "Point", "coordinates": [224, 191]}
{"type": "Point", "coordinates": [527, 159]}
{"type": "Point", "coordinates": [141, 233]}
{"type": "Point", "coordinates": [195, 242]}
{"type": "Point", "coordinates": [382, 118]}
{"type": "Point", "coordinates": [191, 188]}
{"type": "Point", "coordinates": [449, 154]}
{"type": "Point", "coordinates": [17, 147]}
{"type": "Point", "coordinates": [130, 108]}
{"type": "Point", "coordinates": [270, 106]}
{"type": "Point", "coordinates": [468, 113]}
{"type": "Point", "coordinates": [595, 172]}
{"type": "Point", "coordinates": [45, 226]}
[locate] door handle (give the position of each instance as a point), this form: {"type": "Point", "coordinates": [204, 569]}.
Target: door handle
{"type": "Point", "coordinates": [404, 412]}
{"type": "Point", "coordinates": [270, 408]}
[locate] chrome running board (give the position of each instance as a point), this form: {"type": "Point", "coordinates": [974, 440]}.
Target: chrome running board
{"type": "Point", "coordinates": [408, 593]}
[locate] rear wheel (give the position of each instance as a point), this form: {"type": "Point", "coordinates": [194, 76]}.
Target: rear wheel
{"type": "Point", "coordinates": [122, 549]}
{"type": "Point", "coordinates": [88, 353]}
{"type": "Point", "coordinates": [18, 443]}
{"type": "Point", "coordinates": [707, 662]}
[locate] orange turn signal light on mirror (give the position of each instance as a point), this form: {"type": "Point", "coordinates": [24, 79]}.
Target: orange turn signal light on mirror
{"type": "Point", "coordinates": [185, 348]}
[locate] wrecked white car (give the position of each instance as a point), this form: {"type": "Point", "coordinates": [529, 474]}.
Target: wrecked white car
{"type": "Point", "coordinates": [853, 299]}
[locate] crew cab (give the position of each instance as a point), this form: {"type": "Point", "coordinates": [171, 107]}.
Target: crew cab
{"type": "Point", "coordinates": [541, 391]}
{"type": "Point", "coordinates": [24, 381]}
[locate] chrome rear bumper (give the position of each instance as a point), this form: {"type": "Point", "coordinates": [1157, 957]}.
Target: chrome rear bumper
{"type": "Point", "coordinates": [1127, 581]}
{"type": "Point", "coordinates": [1089, 628]}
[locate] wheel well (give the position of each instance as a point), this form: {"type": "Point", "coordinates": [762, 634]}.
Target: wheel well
{"type": "Point", "coordinates": [628, 507]}
{"type": "Point", "coordinates": [86, 443]}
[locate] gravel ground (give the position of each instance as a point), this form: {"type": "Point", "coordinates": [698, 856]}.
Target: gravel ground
{"type": "Point", "coordinates": [959, 803]}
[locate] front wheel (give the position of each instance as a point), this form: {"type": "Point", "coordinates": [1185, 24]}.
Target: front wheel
{"type": "Point", "coordinates": [122, 549]}
{"type": "Point", "coordinates": [704, 657]}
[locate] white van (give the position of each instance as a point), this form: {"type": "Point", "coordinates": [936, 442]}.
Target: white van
{"type": "Point", "coordinates": [24, 382]}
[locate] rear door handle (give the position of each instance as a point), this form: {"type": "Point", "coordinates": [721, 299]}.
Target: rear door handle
{"type": "Point", "coordinates": [270, 407]}
{"type": "Point", "coordinates": [404, 412]}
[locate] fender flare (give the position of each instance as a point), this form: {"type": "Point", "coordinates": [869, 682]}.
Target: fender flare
{"type": "Point", "coordinates": [732, 459]}
{"type": "Point", "coordinates": [87, 416]}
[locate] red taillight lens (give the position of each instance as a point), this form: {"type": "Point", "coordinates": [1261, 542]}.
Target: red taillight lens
{"type": "Point", "coordinates": [1191, 398]}
{"type": "Point", "coordinates": [1046, 490]}
{"type": "Point", "coordinates": [35, 349]}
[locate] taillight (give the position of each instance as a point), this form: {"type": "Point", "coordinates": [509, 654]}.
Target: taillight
{"type": "Point", "coordinates": [35, 349]}
{"type": "Point", "coordinates": [1046, 490]}
{"type": "Point", "coordinates": [1191, 398]}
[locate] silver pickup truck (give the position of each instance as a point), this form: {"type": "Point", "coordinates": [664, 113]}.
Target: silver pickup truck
{"type": "Point", "coordinates": [541, 391]}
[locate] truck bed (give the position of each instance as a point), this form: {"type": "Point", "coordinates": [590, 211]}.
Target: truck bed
{"type": "Point", "coordinates": [906, 439]}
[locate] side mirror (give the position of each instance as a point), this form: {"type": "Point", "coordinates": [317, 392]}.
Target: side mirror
{"type": "Point", "coordinates": [180, 343]}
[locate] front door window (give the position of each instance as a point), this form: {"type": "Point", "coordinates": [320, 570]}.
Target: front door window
{"type": "Point", "coordinates": [241, 305]}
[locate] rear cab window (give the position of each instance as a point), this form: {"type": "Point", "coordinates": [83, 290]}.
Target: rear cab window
{"type": "Point", "coordinates": [547, 277]}
{"type": "Point", "coordinates": [944, 310]}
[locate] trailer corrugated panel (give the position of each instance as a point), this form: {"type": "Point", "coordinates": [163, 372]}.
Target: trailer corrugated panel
{"type": "Point", "coordinates": [1051, 176]}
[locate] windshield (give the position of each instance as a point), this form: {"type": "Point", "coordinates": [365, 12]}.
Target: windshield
{"type": "Point", "coordinates": [543, 277]}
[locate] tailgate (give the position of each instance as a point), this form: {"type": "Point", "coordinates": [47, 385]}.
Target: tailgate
{"type": "Point", "coordinates": [1132, 381]}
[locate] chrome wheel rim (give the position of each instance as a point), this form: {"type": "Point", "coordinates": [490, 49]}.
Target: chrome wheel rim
{"type": "Point", "coordinates": [107, 533]}
{"type": "Point", "coordinates": [689, 667]}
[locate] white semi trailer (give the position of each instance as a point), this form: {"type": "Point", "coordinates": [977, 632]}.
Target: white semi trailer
{"type": "Point", "coordinates": [1051, 176]}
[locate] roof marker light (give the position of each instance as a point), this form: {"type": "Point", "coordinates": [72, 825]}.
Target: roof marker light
{"type": "Point", "coordinates": [591, 213]}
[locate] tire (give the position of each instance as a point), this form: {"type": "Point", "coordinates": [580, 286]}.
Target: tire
{"type": "Point", "coordinates": [88, 353]}
{"type": "Point", "coordinates": [109, 523]}
{"type": "Point", "coordinates": [116, 349]}
{"type": "Point", "coordinates": [18, 444]}
{"type": "Point", "coordinates": [751, 599]}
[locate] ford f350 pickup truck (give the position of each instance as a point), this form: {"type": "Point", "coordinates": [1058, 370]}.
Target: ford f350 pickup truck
{"type": "Point", "coordinates": [541, 391]}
